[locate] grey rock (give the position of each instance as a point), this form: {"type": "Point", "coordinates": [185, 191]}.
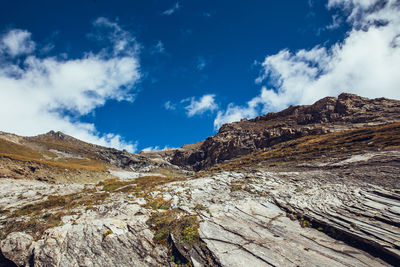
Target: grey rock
{"type": "Point", "coordinates": [251, 233]}
{"type": "Point", "coordinates": [87, 244]}
{"type": "Point", "coordinates": [17, 248]}
{"type": "Point", "coordinates": [119, 240]}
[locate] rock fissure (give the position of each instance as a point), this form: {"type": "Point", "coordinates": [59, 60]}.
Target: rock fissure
{"type": "Point", "coordinates": [241, 247]}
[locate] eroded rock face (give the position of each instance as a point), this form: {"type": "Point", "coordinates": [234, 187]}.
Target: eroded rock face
{"type": "Point", "coordinates": [17, 248]}
{"type": "Point", "coordinates": [101, 242]}
{"type": "Point", "coordinates": [326, 115]}
{"type": "Point", "coordinates": [115, 234]}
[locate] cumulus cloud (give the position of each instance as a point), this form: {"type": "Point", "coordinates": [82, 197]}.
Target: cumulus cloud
{"type": "Point", "coordinates": [198, 107]}
{"type": "Point", "coordinates": [366, 62]}
{"type": "Point", "coordinates": [194, 106]}
{"type": "Point", "coordinates": [16, 42]}
{"type": "Point", "coordinates": [172, 10]}
{"type": "Point", "coordinates": [39, 94]}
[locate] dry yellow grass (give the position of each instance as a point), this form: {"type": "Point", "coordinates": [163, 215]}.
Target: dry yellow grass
{"type": "Point", "coordinates": [319, 147]}
{"type": "Point", "coordinates": [141, 186]}
{"type": "Point", "coordinates": [12, 149]}
{"type": "Point", "coordinates": [26, 153]}
{"type": "Point", "coordinates": [74, 147]}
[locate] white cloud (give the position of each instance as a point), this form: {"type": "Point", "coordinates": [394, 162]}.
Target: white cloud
{"type": "Point", "coordinates": [169, 105]}
{"type": "Point", "coordinates": [336, 22]}
{"type": "Point", "coordinates": [122, 41]}
{"type": "Point", "coordinates": [151, 148]}
{"type": "Point", "coordinates": [156, 148]}
{"type": "Point", "coordinates": [366, 63]}
{"type": "Point", "coordinates": [172, 10]}
{"type": "Point", "coordinates": [16, 42]}
{"type": "Point", "coordinates": [235, 113]}
{"type": "Point", "coordinates": [158, 48]}
{"type": "Point", "coordinates": [198, 107]}
{"type": "Point", "coordinates": [37, 93]}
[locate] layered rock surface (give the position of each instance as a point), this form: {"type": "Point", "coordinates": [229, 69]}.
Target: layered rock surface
{"type": "Point", "coordinates": [257, 218]}
{"type": "Point", "coordinates": [309, 217]}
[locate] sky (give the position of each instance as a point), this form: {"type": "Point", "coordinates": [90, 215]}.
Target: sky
{"type": "Point", "coordinates": [156, 74]}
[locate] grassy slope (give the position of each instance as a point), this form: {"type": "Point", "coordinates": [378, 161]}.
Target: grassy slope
{"type": "Point", "coordinates": [319, 147]}
{"type": "Point", "coordinates": [43, 156]}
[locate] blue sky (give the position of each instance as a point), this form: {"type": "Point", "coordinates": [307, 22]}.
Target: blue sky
{"type": "Point", "coordinates": [157, 73]}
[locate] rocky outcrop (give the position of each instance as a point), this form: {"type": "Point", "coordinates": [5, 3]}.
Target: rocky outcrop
{"type": "Point", "coordinates": [101, 242]}
{"type": "Point", "coordinates": [115, 234]}
{"type": "Point", "coordinates": [326, 115]}
{"type": "Point", "coordinates": [17, 247]}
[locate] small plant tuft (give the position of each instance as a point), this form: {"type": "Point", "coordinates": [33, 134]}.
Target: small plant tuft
{"type": "Point", "coordinates": [191, 233]}
{"type": "Point", "coordinates": [183, 227]}
{"type": "Point", "coordinates": [107, 233]}
{"type": "Point", "coordinates": [299, 189]}
{"type": "Point", "coordinates": [159, 203]}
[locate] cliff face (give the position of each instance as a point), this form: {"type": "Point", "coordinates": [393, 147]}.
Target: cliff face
{"type": "Point", "coordinates": [327, 115]}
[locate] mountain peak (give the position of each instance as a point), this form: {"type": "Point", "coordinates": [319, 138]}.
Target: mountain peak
{"type": "Point", "coordinates": [57, 135]}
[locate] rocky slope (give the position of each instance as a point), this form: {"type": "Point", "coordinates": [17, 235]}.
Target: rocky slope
{"type": "Point", "coordinates": [55, 157]}
{"type": "Point", "coordinates": [325, 116]}
{"type": "Point", "coordinates": [309, 186]}
{"type": "Point", "coordinates": [310, 217]}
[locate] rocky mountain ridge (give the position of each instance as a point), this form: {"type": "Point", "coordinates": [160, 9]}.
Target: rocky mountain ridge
{"type": "Point", "coordinates": [55, 155]}
{"type": "Point", "coordinates": [115, 157]}
{"type": "Point", "coordinates": [327, 115]}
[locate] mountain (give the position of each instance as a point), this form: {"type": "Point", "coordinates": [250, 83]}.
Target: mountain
{"type": "Point", "coordinates": [56, 157]}
{"type": "Point", "coordinates": [313, 185]}
{"type": "Point", "coordinates": [327, 115]}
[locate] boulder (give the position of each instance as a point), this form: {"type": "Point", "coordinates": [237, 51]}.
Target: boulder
{"type": "Point", "coordinates": [17, 247]}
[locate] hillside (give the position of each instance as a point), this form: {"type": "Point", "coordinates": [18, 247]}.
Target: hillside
{"type": "Point", "coordinates": [315, 185]}
{"type": "Point", "coordinates": [57, 157]}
